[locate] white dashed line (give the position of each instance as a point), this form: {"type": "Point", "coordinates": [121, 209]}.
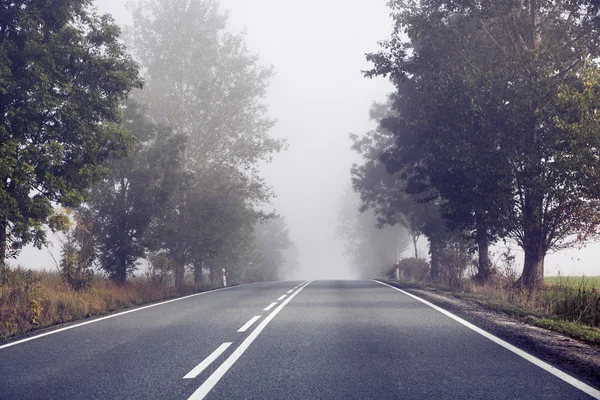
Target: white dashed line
{"type": "Point", "coordinates": [249, 324]}
{"type": "Point", "coordinates": [290, 291]}
{"type": "Point", "coordinates": [282, 297]}
{"type": "Point", "coordinates": [270, 306]}
{"type": "Point", "coordinates": [212, 380]}
{"type": "Point", "coordinates": [207, 361]}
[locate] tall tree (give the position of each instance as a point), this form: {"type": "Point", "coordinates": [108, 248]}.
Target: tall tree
{"type": "Point", "coordinates": [63, 74]}
{"type": "Point", "coordinates": [213, 95]}
{"type": "Point", "coordinates": [398, 195]}
{"type": "Point", "coordinates": [271, 240]}
{"type": "Point", "coordinates": [373, 245]}
{"type": "Point", "coordinates": [526, 77]}
{"type": "Point", "coordinates": [135, 193]}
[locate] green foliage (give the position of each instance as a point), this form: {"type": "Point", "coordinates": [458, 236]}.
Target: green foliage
{"type": "Point", "coordinates": [267, 261]}
{"type": "Point", "coordinates": [497, 114]}
{"type": "Point", "coordinates": [63, 74]}
{"type": "Point", "coordinates": [79, 253]}
{"type": "Point", "coordinates": [135, 193]}
{"type": "Point", "coordinates": [160, 268]}
{"type": "Point", "coordinates": [204, 83]}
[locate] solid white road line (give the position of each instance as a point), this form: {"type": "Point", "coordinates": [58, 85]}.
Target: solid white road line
{"type": "Point", "coordinates": [270, 306]}
{"type": "Point", "coordinates": [116, 315]}
{"type": "Point", "coordinates": [207, 361]}
{"type": "Point", "coordinates": [249, 324]}
{"type": "Point", "coordinates": [212, 380]}
{"type": "Point", "coordinates": [534, 360]}
{"type": "Point", "coordinates": [282, 297]}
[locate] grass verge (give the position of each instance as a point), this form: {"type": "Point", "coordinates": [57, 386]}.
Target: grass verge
{"type": "Point", "coordinates": [33, 300]}
{"type": "Point", "coordinates": [564, 307]}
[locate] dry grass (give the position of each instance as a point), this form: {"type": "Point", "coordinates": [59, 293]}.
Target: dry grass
{"type": "Point", "coordinates": [569, 300]}
{"type": "Point", "coordinates": [570, 305]}
{"type": "Point", "coordinates": [32, 300]}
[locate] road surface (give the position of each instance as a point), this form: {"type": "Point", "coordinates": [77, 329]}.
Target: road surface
{"type": "Point", "coordinates": [289, 340]}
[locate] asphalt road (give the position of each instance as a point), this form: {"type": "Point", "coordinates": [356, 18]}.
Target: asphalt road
{"type": "Point", "coordinates": [317, 340]}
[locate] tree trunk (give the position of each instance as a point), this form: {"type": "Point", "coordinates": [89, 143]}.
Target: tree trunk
{"type": "Point", "coordinates": [532, 277]}
{"type": "Point", "coordinates": [484, 268]}
{"type": "Point", "coordinates": [121, 274]}
{"type": "Point", "coordinates": [179, 277]}
{"type": "Point", "coordinates": [198, 273]}
{"type": "Point", "coordinates": [180, 273]}
{"type": "Point", "coordinates": [533, 241]}
{"type": "Point", "coordinates": [415, 238]}
{"type": "Point", "coordinates": [434, 247]}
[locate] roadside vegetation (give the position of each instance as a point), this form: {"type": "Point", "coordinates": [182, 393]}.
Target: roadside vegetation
{"type": "Point", "coordinates": [36, 299]}
{"type": "Point", "coordinates": [490, 136]}
{"type": "Point", "coordinates": [565, 304]}
{"type": "Point", "coordinates": [132, 149]}
{"type": "Point", "coordinates": [128, 160]}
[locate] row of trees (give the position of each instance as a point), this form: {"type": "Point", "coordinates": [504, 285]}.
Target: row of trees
{"type": "Point", "coordinates": [170, 170]}
{"type": "Point", "coordinates": [371, 246]}
{"type": "Point", "coordinates": [493, 131]}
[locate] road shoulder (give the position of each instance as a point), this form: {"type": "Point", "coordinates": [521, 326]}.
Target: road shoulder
{"type": "Point", "coordinates": [570, 355]}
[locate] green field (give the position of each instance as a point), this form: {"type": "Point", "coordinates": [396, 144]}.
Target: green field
{"type": "Point", "coordinates": [574, 281]}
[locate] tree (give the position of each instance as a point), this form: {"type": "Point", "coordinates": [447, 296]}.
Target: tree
{"type": "Point", "coordinates": [272, 240]}
{"type": "Point", "coordinates": [212, 95]}
{"type": "Point", "coordinates": [373, 245]}
{"type": "Point", "coordinates": [79, 252]}
{"type": "Point", "coordinates": [63, 74]}
{"type": "Point", "coordinates": [523, 72]}
{"type": "Point", "coordinates": [399, 196]}
{"type": "Point", "coordinates": [135, 193]}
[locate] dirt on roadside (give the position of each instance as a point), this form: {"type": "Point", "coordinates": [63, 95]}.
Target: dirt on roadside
{"type": "Point", "coordinates": [572, 356]}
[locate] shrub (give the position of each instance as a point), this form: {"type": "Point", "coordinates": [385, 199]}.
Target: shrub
{"type": "Point", "coordinates": [414, 269]}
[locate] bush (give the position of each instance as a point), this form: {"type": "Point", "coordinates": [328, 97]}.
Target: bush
{"type": "Point", "coordinates": [75, 273]}
{"type": "Point", "coordinates": [414, 269]}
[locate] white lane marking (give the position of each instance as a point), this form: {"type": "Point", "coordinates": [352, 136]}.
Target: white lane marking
{"type": "Point", "coordinates": [216, 376]}
{"type": "Point", "coordinates": [290, 291]}
{"type": "Point", "coordinates": [207, 361]}
{"type": "Point", "coordinates": [282, 297]}
{"type": "Point", "coordinates": [249, 324]}
{"type": "Point", "coordinates": [116, 315]}
{"type": "Point", "coordinates": [534, 360]}
{"type": "Point", "coordinates": [270, 306]}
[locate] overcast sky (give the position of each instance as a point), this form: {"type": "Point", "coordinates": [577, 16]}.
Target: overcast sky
{"type": "Point", "coordinates": [318, 96]}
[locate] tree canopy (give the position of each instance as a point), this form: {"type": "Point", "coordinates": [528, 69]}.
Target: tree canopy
{"type": "Point", "coordinates": [63, 75]}
{"type": "Point", "coordinates": [503, 122]}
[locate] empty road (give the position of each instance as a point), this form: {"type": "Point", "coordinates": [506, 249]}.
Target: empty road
{"type": "Point", "coordinates": [289, 340]}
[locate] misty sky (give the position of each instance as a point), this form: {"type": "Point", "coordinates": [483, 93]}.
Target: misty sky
{"type": "Point", "coordinates": [318, 96]}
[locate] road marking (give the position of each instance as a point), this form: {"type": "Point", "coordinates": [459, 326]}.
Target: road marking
{"type": "Point", "coordinates": [534, 360]}
{"type": "Point", "coordinates": [207, 361]}
{"type": "Point", "coordinates": [270, 306]}
{"type": "Point", "coordinates": [290, 291]}
{"type": "Point", "coordinates": [282, 297]}
{"type": "Point", "coordinates": [116, 315]}
{"type": "Point", "coordinates": [216, 376]}
{"type": "Point", "coordinates": [249, 324]}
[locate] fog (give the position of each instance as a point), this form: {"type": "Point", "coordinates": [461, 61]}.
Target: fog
{"type": "Point", "coordinates": [318, 96]}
